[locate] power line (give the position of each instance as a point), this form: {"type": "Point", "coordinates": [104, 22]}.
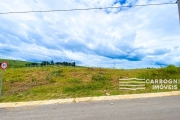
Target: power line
{"type": "Point", "coordinates": [83, 9]}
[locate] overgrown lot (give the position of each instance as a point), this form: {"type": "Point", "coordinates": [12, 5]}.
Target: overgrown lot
{"type": "Point", "coordinates": [53, 82]}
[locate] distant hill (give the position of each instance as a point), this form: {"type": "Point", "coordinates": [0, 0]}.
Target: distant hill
{"type": "Point", "coordinates": [15, 63]}
{"type": "Point", "coordinates": [19, 63]}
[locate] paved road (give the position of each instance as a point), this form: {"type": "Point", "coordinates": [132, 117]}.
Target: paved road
{"type": "Point", "coordinates": [160, 108]}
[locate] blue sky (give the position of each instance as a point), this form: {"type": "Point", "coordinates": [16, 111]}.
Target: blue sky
{"type": "Point", "coordinates": [136, 37]}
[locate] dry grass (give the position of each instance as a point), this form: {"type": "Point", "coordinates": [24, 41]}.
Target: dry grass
{"type": "Point", "coordinates": [27, 84]}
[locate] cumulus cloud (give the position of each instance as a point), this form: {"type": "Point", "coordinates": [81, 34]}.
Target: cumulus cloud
{"type": "Point", "coordinates": [132, 37]}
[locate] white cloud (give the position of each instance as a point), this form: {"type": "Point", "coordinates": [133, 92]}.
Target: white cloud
{"type": "Point", "coordinates": [134, 37]}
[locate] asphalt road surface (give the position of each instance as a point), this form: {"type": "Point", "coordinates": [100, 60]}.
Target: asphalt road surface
{"type": "Point", "coordinates": [159, 108]}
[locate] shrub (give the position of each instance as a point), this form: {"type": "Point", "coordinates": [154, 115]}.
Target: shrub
{"type": "Point", "coordinates": [171, 69]}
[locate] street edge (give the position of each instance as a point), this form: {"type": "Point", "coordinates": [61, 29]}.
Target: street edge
{"type": "Point", "coordinates": [87, 99]}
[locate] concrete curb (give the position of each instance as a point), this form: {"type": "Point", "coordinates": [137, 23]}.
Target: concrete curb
{"type": "Point", "coordinates": [86, 99]}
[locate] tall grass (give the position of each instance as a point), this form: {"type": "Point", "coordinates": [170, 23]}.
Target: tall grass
{"type": "Point", "coordinates": [26, 84]}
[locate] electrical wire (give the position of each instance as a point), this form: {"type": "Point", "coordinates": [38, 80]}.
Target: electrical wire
{"type": "Point", "coordinates": [67, 10]}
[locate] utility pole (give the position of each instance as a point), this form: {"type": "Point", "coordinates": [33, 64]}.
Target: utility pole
{"type": "Point", "coordinates": [1, 80]}
{"type": "Point", "coordinates": [3, 66]}
{"type": "Point", "coordinates": [178, 2]}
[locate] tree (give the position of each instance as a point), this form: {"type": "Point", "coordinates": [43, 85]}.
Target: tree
{"type": "Point", "coordinates": [172, 69]}
{"type": "Point", "coordinates": [52, 62]}
{"type": "Point", "coordinates": [45, 63]}
{"type": "Point", "coordinates": [73, 64]}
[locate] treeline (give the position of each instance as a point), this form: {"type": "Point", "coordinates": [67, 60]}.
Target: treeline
{"type": "Point", "coordinates": [46, 63]}
{"type": "Point", "coordinates": [66, 63]}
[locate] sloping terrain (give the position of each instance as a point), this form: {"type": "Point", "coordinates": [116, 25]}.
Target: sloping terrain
{"type": "Point", "coordinates": [52, 82]}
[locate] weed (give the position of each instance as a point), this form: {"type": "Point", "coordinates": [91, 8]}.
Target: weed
{"type": "Point", "coordinates": [98, 77]}
{"type": "Point", "coordinates": [55, 73]}
{"type": "Point", "coordinates": [83, 87]}
{"type": "Point", "coordinates": [74, 81]}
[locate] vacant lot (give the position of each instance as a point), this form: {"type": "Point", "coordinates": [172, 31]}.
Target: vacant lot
{"type": "Point", "coordinates": [52, 82]}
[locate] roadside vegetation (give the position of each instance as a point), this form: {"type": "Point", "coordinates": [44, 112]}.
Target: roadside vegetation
{"type": "Point", "coordinates": [54, 82]}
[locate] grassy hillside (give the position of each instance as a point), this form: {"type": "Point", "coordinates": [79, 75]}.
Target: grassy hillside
{"type": "Point", "coordinates": [52, 82]}
{"type": "Point", "coordinates": [15, 63]}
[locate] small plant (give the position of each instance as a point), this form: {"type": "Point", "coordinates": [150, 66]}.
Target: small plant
{"type": "Point", "coordinates": [99, 77]}
{"type": "Point", "coordinates": [52, 80]}
{"type": "Point", "coordinates": [83, 87]}
{"type": "Point", "coordinates": [48, 77]}
{"type": "Point", "coordinates": [34, 81]}
{"type": "Point", "coordinates": [20, 79]}
{"type": "Point", "coordinates": [75, 81]}
{"type": "Point", "coordinates": [55, 73]}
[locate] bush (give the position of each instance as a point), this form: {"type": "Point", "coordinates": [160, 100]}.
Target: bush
{"type": "Point", "coordinates": [171, 69]}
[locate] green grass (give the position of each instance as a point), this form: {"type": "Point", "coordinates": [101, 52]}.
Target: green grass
{"type": "Point", "coordinates": [53, 82]}
{"type": "Point", "coordinates": [15, 63]}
